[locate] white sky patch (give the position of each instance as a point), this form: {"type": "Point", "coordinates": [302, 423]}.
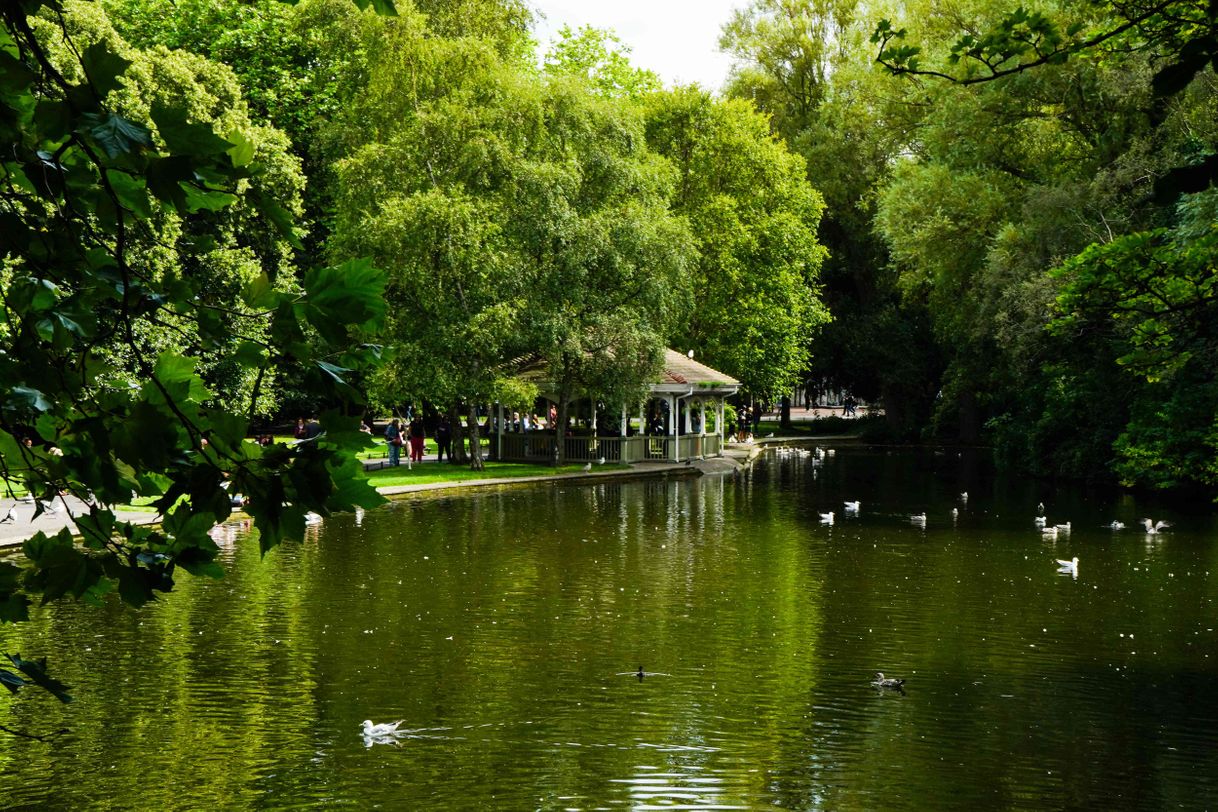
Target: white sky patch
{"type": "Point", "coordinates": [677, 39]}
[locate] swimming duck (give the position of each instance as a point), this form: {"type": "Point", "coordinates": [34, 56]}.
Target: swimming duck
{"type": "Point", "coordinates": [826, 518]}
{"type": "Point", "coordinates": [853, 507]}
{"type": "Point", "coordinates": [881, 681]}
{"type": "Point", "coordinates": [1068, 567]}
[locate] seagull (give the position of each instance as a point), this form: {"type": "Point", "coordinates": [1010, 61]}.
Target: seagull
{"type": "Point", "coordinates": [1154, 528]}
{"type": "Point", "coordinates": [1040, 508]}
{"type": "Point", "coordinates": [1065, 528]}
{"type": "Point", "coordinates": [1115, 525]}
{"type": "Point", "coordinates": [600, 460]}
{"type": "Point", "coordinates": [955, 513]}
{"type": "Point", "coordinates": [381, 729]}
{"type": "Point", "coordinates": [1049, 532]}
{"type": "Point", "coordinates": [963, 496]}
{"type": "Point", "coordinates": [588, 467]}
{"type": "Point", "coordinates": [918, 518]}
{"type": "Point", "coordinates": [881, 681]}
{"type": "Point", "coordinates": [826, 518]}
{"type": "Point", "coordinates": [853, 507]}
{"type": "Point", "coordinates": [1068, 567]}
{"type": "Point", "coordinates": [11, 516]}
{"type": "Point", "coordinates": [1040, 521]}
{"type": "Point", "coordinates": [312, 518]}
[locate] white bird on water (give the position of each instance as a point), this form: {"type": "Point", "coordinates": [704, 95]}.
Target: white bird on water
{"type": "Point", "coordinates": [1115, 525]}
{"type": "Point", "coordinates": [1064, 528]}
{"type": "Point", "coordinates": [955, 513]}
{"type": "Point", "coordinates": [1153, 528]}
{"type": "Point", "coordinates": [918, 518]}
{"type": "Point", "coordinates": [375, 730]}
{"type": "Point", "coordinates": [1068, 567]}
{"type": "Point", "coordinates": [1049, 532]}
{"type": "Point", "coordinates": [853, 507]}
{"type": "Point", "coordinates": [826, 518]}
{"type": "Point", "coordinates": [963, 496]}
{"type": "Point", "coordinates": [312, 518]}
{"type": "Point", "coordinates": [1040, 508]}
{"type": "Point", "coordinates": [1040, 521]}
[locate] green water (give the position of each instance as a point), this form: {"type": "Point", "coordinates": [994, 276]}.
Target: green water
{"type": "Point", "coordinates": [503, 627]}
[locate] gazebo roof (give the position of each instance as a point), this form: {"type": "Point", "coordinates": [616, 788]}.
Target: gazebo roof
{"type": "Point", "coordinates": [679, 374]}
{"type": "Point", "coordinates": [685, 371]}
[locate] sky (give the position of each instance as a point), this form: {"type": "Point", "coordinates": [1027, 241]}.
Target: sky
{"type": "Point", "coordinates": [677, 39]}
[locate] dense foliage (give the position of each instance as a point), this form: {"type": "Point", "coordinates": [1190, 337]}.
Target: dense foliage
{"type": "Point", "coordinates": [1005, 208]}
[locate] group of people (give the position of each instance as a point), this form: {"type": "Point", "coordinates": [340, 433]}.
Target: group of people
{"type": "Point", "coordinates": [414, 434]}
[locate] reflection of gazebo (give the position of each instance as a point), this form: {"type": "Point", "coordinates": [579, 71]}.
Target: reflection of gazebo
{"type": "Point", "coordinates": [671, 423]}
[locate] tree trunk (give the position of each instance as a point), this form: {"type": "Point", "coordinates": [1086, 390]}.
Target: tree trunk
{"type": "Point", "coordinates": [475, 439]}
{"type": "Point", "coordinates": [457, 455]}
{"type": "Point", "coordinates": [785, 422]}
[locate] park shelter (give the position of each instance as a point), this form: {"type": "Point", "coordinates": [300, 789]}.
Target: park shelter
{"type": "Point", "coordinates": [671, 422]}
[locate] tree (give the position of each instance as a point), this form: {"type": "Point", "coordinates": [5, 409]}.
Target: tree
{"type": "Point", "coordinates": [599, 58]}
{"type": "Point", "coordinates": [754, 217]}
{"type": "Point", "coordinates": [806, 65]}
{"type": "Point", "coordinates": [514, 216]}
{"type": "Point", "coordinates": [103, 164]}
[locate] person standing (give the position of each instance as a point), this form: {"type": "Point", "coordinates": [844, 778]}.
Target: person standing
{"type": "Point", "coordinates": [393, 437]}
{"type": "Point", "coordinates": [444, 439]}
{"type": "Point", "coordinates": [416, 440]}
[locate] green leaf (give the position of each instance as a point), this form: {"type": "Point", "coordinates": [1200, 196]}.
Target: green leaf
{"type": "Point", "coordinates": [11, 681]}
{"type": "Point", "coordinates": [36, 672]}
{"type": "Point", "coordinates": [206, 199]}
{"type": "Point", "coordinates": [242, 150]}
{"type": "Point", "coordinates": [116, 135]}
{"type": "Point", "coordinates": [184, 138]}
{"type": "Point", "coordinates": [103, 67]}
{"type": "Point", "coordinates": [53, 118]}
{"type": "Point", "coordinates": [26, 398]}
{"type": "Point", "coordinates": [352, 293]}
{"type": "Point", "coordinates": [131, 192]}
{"type": "Point", "coordinates": [165, 179]}
{"type": "Point", "coordinates": [385, 8]}
{"type": "Point", "coordinates": [281, 218]}
{"type": "Point", "coordinates": [259, 293]}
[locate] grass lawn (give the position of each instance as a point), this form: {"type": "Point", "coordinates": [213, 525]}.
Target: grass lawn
{"type": "Point", "coordinates": [429, 472]}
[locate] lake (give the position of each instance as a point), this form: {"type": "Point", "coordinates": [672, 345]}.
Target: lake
{"type": "Point", "coordinates": [505, 628]}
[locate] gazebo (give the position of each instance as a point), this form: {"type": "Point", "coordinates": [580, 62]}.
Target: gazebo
{"type": "Point", "coordinates": [672, 421]}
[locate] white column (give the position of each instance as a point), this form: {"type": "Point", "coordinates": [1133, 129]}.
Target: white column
{"type": "Point", "coordinates": [719, 424]}
{"type": "Point", "coordinates": [702, 421]}
{"type": "Point", "coordinates": [622, 429]}
{"type": "Point", "coordinates": [672, 428]}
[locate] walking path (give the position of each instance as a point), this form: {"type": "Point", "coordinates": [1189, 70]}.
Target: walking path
{"type": "Point", "coordinates": [735, 455]}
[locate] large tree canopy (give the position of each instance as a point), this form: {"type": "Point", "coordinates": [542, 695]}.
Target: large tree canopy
{"type": "Point", "coordinates": [515, 215]}
{"type": "Point", "coordinates": [754, 216]}
{"type": "Point", "coordinates": [144, 239]}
